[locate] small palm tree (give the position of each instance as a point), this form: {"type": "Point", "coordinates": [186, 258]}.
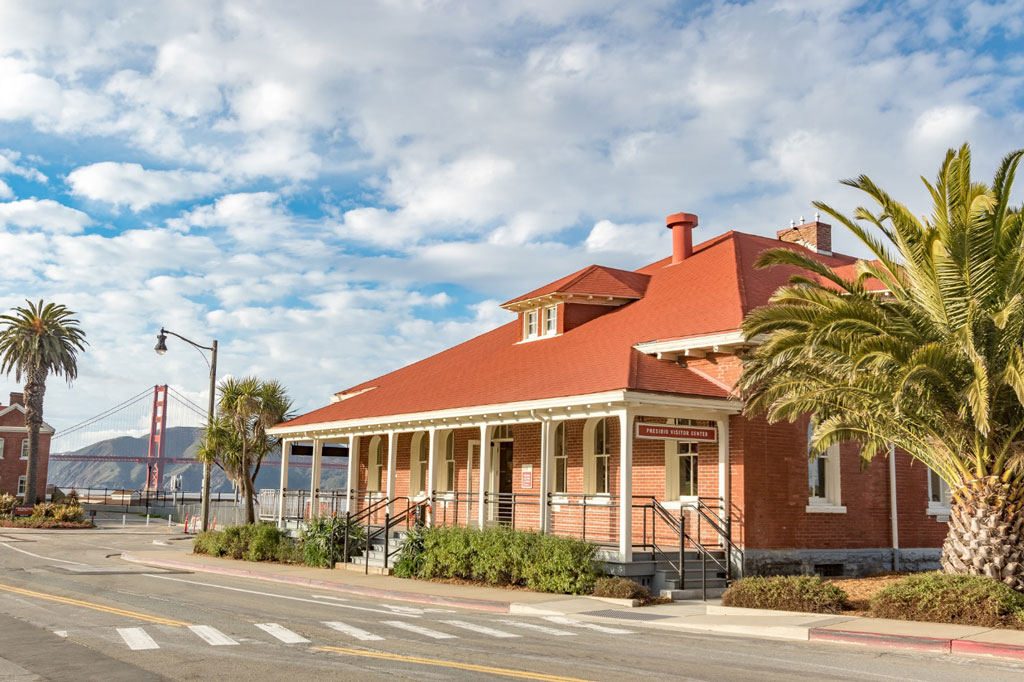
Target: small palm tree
{"type": "Point", "coordinates": [935, 366]}
{"type": "Point", "coordinates": [237, 441]}
{"type": "Point", "coordinates": [35, 342]}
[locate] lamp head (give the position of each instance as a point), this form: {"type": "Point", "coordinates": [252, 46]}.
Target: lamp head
{"type": "Point", "coordinates": [161, 343]}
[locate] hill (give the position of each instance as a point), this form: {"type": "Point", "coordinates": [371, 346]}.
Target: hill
{"type": "Point", "coordinates": [181, 442]}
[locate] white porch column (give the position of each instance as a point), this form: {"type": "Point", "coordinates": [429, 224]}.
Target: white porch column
{"type": "Point", "coordinates": [314, 479]}
{"type": "Point", "coordinates": [485, 472]}
{"type": "Point", "coordinates": [392, 458]}
{"type": "Point", "coordinates": [286, 451]}
{"type": "Point", "coordinates": [431, 472]}
{"type": "Point", "coordinates": [724, 477]}
{"type": "Point", "coordinates": [352, 480]}
{"type": "Point", "coordinates": [626, 485]}
{"type": "Point", "coordinates": [544, 476]}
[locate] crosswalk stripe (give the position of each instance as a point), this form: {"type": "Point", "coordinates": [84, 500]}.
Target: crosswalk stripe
{"type": "Point", "coordinates": [426, 632]}
{"type": "Point", "coordinates": [479, 628]}
{"type": "Point", "coordinates": [562, 620]}
{"type": "Point", "coordinates": [352, 630]}
{"type": "Point", "coordinates": [539, 628]}
{"type": "Point", "coordinates": [282, 633]}
{"type": "Point", "coordinates": [212, 636]}
{"type": "Point", "coordinates": [137, 639]}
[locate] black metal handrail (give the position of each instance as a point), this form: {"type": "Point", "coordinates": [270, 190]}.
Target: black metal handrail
{"type": "Point", "coordinates": [412, 509]}
{"type": "Point", "coordinates": [451, 498]}
{"type": "Point", "coordinates": [509, 501]}
{"type": "Point", "coordinates": [585, 501]}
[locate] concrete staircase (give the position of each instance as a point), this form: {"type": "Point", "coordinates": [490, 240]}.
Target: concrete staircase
{"type": "Point", "coordinates": [375, 554]}
{"type": "Point", "coordinates": [663, 577]}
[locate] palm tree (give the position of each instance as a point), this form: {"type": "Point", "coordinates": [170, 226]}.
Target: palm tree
{"type": "Point", "coordinates": [39, 340]}
{"type": "Point", "coordinates": [934, 367]}
{"type": "Point", "coordinates": [237, 441]}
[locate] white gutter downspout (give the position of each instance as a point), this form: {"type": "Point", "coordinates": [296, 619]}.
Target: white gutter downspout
{"type": "Point", "coordinates": [544, 475]}
{"type": "Point", "coordinates": [892, 509]}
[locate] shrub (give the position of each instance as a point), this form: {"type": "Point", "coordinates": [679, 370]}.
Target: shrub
{"type": "Point", "coordinates": [317, 537]}
{"type": "Point", "coordinates": [409, 561]}
{"type": "Point", "coordinates": [502, 556]}
{"type": "Point", "coordinates": [789, 593]}
{"type": "Point", "coordinates": [256, 542]}
{"type": "Point", "coordinates": [209, 542]}
{"type": "Point", "coordinates": [7, 502]}
{"type": "Point", "coordinates": [262, 542]}
{"type": "Point", "coordinates": [72, 513]}
{"type": "Point", "coordinates": [941, 598]}
{"type": "Point", "coordinates": [618, 587]}
{"type": "Point", "coordinates": [43, 510]}
{"type": "Point", "coordinates": [563, 564]}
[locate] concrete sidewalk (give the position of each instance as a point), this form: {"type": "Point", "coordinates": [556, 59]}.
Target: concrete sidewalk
{"type": "Point", "coordinates": [691, 616]}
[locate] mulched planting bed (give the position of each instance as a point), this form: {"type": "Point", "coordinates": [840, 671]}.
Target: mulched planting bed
{"type": "Point", "coordinates": [45, 524]}
{"type": "Point", "coordinates": [860, 590]}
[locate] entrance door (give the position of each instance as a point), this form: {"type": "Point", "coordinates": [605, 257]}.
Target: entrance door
{"type": "Point", "coordinates": [504, 472]}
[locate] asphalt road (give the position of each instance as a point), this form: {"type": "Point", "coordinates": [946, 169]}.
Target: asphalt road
{"type": "Point", "coordinates": [73, 611]}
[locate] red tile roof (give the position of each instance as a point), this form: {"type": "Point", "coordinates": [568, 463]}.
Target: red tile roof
{"type": "Point", "coordinates": [709, 292]}
{"type": "Point", "coordinates": [597, 280]}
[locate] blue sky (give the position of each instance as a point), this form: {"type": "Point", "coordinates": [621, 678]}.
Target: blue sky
{"type": "Point", "coordinates": [334, 190]}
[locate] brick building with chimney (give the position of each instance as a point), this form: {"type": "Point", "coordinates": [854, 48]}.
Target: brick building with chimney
{"type": "Point", "coordinates": [606, 411]}
{"type": "Point", "coordinates": [14, 448]}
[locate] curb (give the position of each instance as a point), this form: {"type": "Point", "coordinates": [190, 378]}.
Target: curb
{"type": "Point", "coordinates": [913, 643]}
{"type": "Point", "coordinates": [398, 595]}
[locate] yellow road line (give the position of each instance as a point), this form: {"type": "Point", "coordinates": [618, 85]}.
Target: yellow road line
{"type": "Point", "coordinates": [523, 674]}
{"type": "Point", "coordinates": [95, 607]}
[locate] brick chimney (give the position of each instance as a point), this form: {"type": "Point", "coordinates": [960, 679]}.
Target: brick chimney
{"type": "Point", "coordinates": [815, 235]}
{"type": "Point", "coordinates": [18, 399]}
{"type": "Point", "coordinates": [682, 225]}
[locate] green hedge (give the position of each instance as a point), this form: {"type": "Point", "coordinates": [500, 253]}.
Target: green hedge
{"type": "Point", "coordinates": [256, 542]}
{"type": "Point", "coordinates": [617, 587]}
{"type": "Point", "coordinates": [786, 593]}
{"type": "Point", "coordinates": [961, 599]}
{"type": "Point", "coordinates": [501, 556]}
{"type": "Point", "coordinates": [316, 541]}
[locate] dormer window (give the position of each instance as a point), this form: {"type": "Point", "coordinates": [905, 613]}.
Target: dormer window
{"type": "Point", "coordinates": [531, 324]}
{"type": "Point", "coordinates": [550, 320]}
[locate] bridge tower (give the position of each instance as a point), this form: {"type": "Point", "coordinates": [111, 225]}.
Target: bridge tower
{"type": "Point", "coordinates": [157, 429]}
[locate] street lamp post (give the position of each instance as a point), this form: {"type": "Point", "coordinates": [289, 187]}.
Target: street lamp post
{"type": "Point", "coordinates": [161, 348]}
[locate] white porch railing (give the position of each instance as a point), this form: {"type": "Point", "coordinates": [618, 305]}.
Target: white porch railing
{"type": "Point", "coordinates": [297, 504]}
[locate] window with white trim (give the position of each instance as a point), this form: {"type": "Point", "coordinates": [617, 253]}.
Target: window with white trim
{"type": "Point", "coordinates": [21, 486]}
{"type": "Point", "coordinates": [599, 457]}
{"type": "Point", "coordinates": [823, 492]}
{"type": "Point", "coordinates": [550, 320]}
{"type": "Point", "coordinates": [375, 464]}
{"type": "Point", "coordinates": [24, 449]}
{"type": "Point", "coordinates": [1, 448]}
{"type": "Point", "coordinates": [422, 456]}
{"type": "Point", "coordinates": [561, 453]}
{"type": "Point", "coordinates": [449, 462]}
{"type": "Point", "coordinates": [681, 464]}
{"type": "Point", "coordinates": [938, 492]}
{"type": "Point", "coordinates": [530, 320]}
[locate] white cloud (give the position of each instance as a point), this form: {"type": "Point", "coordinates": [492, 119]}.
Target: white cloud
{"type": "Point", "coordinates": [5, 190]}
{"type": "Point", "coordinates": [9, 166]}
{"type": "Point", "coordinates": [43, 214]}
{"type": "Point", "coordinates": [129, 184]}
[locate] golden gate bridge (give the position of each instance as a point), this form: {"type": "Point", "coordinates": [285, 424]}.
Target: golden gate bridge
{"type": "Point", "coordinates": [138, 431]}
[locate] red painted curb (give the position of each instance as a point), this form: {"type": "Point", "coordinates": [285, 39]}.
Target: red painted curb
{"type": "Point", "coordinates": [971, 646]}
{"type": "Point", "coordinates": [398, 595]}
{"type": "Point", "coordinates": [875, 639]}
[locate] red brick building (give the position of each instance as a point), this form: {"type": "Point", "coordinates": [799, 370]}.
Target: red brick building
{"type": "Point", "coordinates": [608, 412]}
{"type": "Point", "coordinates": [14, 448]}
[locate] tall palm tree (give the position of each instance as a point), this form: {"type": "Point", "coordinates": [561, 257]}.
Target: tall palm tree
{"type": "Point", "coordinates": [237, 441]}
{"type": "Point", "coordinates": [934, 367]}
{"type": "Point", "coordinates": [36, 341]}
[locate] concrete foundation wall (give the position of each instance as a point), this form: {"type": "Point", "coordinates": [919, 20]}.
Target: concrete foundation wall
{"type": "Point", "coordinates": [852, 562]}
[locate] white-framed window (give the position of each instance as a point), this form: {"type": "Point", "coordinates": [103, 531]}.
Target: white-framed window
{"type": "Point", "coordinates": [503, 432]}
{"type": "Point", "coordinates": [24, 449]}
{"type": "Point", "coordinates": [561, 453]}
{"type": "Point", "coordinates": [938, 494]}
{"type": "Point", "coordinates": [21, 486]}
{"type": "Point", "coordinates": [1, 448]}
{"type": "Point", "coordinates": [531, 324]}
{"type": "Point", "coordinates": [550, 320]}
{"type": "Point", "coordinates": [681, 470]}
{"type": "Point", "coordinates": [823, 482]}
{"type": "Point", "coordinates": [449, 462]}
{"type": "Point", "coordinates": [375, 464]}
{"type": "Point", "coordinates": [597, 457]}
{"type": "Point", "coordinates": [421, 456]}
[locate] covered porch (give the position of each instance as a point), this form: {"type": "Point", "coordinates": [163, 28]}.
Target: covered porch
{"type": "Point", "coordinates": [637, 473]}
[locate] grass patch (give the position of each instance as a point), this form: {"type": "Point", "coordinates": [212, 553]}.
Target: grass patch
{"type": "Point", "coordinates": [960, 599]}
{"type": "Point", "coordinates": [809, 594]}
